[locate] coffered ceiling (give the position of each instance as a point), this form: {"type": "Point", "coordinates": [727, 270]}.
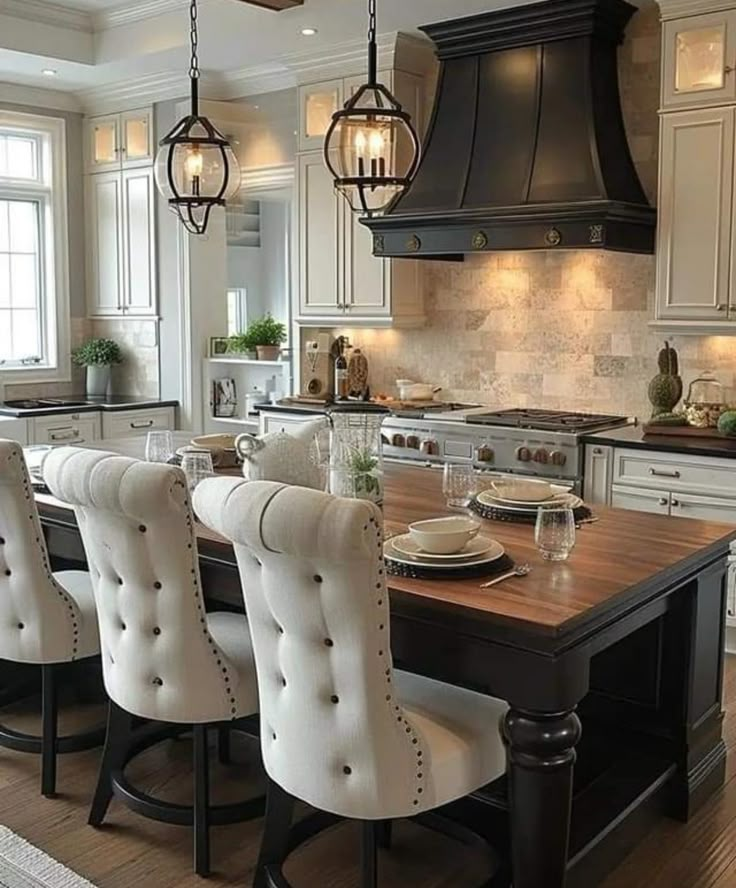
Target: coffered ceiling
{"type": "Point", "coordinates": [96, 46]}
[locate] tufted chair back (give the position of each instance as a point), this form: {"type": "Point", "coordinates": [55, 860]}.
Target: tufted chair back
{"type": "Point", "coordinates": [38, 620]}
{"type": "Point", "coordinates": [312, 574]}
{"type": "Point", "coordinates": [159, 659]}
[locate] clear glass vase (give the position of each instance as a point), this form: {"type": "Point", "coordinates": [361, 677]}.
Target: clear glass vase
{"type": "Point", "coordinates": [356, 456]}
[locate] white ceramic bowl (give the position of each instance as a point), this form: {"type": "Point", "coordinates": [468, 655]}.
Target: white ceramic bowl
{"type": "Point", "coordinates": [444, 536]}
{"type": "Point", "coordinates": [523, 491]}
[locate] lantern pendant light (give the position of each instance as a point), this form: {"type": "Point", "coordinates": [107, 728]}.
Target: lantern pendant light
{"type": "Point", "coordinates": [196, 169]}
{"type": "Point", "coordinates": [371, 147]}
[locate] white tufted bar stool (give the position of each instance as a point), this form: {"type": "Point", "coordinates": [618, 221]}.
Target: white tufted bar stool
{"type": "Point", "coordinates": [165, 660]}
{"type": "Point", "coordinates": [46, 619]}
{"type": "Point", "coordinates": [340, 730]}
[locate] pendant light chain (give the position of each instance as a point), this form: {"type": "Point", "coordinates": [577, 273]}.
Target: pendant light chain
{"type": "Point", "coordinates": [194, 40]}
{"type": "Point", "coordinates": [372, 48]}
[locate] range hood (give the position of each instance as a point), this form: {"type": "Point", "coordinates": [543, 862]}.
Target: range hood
{"type": "Point", "coordinates": [527, 147]}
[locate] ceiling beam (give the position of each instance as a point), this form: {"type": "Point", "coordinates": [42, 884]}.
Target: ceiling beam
{"type": "Point", "coordinates": [275, 5]}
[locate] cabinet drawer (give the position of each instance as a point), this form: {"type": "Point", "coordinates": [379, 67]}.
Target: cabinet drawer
{"type": "Point", "coordinates": [128, 423]}
{"type": "Point", "coordinates": [707, 508]}
{"type": "Point", "coordinates": [66, 428]}
{"type": "Point", "coordinates": [673, 472]}
{"type": "Point", "coordinates": [640, 499]}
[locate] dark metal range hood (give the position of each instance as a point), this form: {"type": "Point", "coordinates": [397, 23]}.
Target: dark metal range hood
{"type": "Point", "coordinates": [527, 147]}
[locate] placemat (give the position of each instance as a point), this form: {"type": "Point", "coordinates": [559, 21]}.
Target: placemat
{"type": "Point", "coordinates": [489, 569]}
{"type": "Point", "coordinates": [582, 513]}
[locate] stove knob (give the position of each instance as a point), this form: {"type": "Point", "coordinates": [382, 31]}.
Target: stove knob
{"type": "Point", "coordinates": [430, 447]}
{"type": "Point", "coordinates": [541, 456]}
{"type": "Point", "coordinates": [558, 458]}
{"type": "Point", "coordinates": [412, 442]}
{"type": "Point", "coordinates": [398, 441]}
{"type": "Point", "coordinates": [484, 454]}
{"type": "Point", "coordinates": [523, 454]}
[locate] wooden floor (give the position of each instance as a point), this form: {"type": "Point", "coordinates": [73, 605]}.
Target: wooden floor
{"type": "Point", "coordinates": [131, 851]}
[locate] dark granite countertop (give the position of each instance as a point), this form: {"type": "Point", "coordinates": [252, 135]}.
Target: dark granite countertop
{"type": "Point", "coordinates": [634, 437]}
{"type": "Point", "coordinates": [84, 404]}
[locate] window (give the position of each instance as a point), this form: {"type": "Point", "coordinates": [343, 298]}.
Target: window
{"type": "Point", "coordinates": [34, 299]}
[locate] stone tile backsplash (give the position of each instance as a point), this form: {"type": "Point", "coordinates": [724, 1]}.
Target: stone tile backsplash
{"type": "Point", "coordinates": [566, 330]}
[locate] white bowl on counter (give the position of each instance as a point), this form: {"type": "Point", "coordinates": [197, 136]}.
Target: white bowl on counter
{"type": "Point", "coordinates": [444, 536]}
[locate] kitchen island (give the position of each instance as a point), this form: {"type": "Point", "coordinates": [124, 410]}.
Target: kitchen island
{"type": "Point", "coordinates": [625, 639]}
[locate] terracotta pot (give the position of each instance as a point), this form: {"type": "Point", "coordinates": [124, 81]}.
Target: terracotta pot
{"type": "Point", "coordinates": [268, 352]}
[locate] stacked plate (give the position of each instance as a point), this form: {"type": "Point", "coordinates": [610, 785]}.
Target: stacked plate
{"type": "Point", "coordinates": [479, 551]}
{"type": "Point", "coordinates": [502, 499]}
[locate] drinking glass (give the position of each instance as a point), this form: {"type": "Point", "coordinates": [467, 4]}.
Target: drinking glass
{"type": "Point", "coordinates": [459, 484]}
{"type": "Point", "coordinates": [159, 447]}
{"type": "Point", "coordinates": [555, 532]}
{"type": "Point", "coordinates": [197, 465]}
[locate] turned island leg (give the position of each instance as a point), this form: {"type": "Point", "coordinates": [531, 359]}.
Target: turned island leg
{"type": "Point", "coordinates": [541, 754]}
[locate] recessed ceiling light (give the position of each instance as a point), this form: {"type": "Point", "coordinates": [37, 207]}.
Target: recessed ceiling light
{"type": "Point", "coordinates": [49, 72]}
{"type": "Point", "coordinates": [309, 32]}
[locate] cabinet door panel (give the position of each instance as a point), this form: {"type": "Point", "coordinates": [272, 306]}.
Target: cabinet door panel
{"type": "Point", "coordinates": [639, 499]}
{"type": "Point", "coordinates": [706, 508]}
{"type": "Point", "coordinates": [367, 278]}
{"type": "Point", "coordinates": [138, 239]}
{"type": "Point", "coordinates": [695, 205]}
{"type": "Point", "coordinates": [317, 103]}
{"type": "Point", "coordinates": [102, 143]}
{"type": "Point", "coordinates": [136, 136]}
{"type": "Point", "coordinates": [104, 244]}
{"type": "Point", "coordinates": [699, 56]}
{"type": "Point", "coordinates": [66, 428]}
{"type": "Point", "coordinates": [598, 473]}
{"type": "Point", "coordinates": [320, 239]}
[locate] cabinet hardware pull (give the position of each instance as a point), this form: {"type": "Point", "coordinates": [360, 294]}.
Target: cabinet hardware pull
{"type": "Point", "coordinates": [729, 69]}
{"type": "Point", "coordinates": [597, 451]}
{"type": "Point", "coordinates": [663, 501]}
{"type": "Point", "coordinates": [659, 473]}
{"type": "Point", "coordinates": [68, 436]}
{"type": "Point", "coordinates": [142, 425]}
{"type": "Point", "coordinates": [676, 503]}
{"type": "Point", "coordinates": [721, 306]}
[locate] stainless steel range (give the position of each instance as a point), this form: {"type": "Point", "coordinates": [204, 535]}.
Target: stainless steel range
{"type": "Point", "coordinates": [542, 443]}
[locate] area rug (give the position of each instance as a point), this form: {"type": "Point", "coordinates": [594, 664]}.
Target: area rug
{"type": "Point", "coordinates": [22, 865]}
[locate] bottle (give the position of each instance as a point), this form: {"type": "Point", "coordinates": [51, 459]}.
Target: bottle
{"type": "Point", "coordinates": [342, 384]}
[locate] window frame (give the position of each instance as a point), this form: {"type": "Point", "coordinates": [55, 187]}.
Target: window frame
{"type": "Point", "coordinates": [50, 190]}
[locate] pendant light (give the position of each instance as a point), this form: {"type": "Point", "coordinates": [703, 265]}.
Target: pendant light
{"type": "Point", "coordinates": [196, 169]}
{"type": "Point", "coordinates": [371, 147]}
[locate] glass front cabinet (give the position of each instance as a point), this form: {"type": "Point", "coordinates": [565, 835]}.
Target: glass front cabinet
{"type": "Point", "coordinates": [699, 60]}
{"type": "Point", "coordinates": [118, 141]}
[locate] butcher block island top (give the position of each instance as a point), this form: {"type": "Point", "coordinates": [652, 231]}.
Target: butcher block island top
{"type": "Point", "coordinates": [613, 563]}
{"type": "Point", "coordinates": [611, 664]}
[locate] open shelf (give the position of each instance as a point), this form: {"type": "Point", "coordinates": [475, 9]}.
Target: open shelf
{"type": "Point", "coordinates": [249, 361]}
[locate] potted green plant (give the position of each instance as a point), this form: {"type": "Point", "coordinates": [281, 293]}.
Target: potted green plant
{"type": "Point", "coordinates": [98, 356]}
{"type": "Point", "coordinates": [241, 344]}
{"type": "Point", "coordinates": [267, 335]}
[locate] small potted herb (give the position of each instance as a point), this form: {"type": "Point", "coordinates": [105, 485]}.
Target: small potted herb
{"type": "Point", "coordinates": [98, 356]}
{"type": "Point", "coordinates": [267, 335]}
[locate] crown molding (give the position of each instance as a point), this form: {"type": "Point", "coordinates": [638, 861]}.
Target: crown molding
{"type": "Point", "coordinates": [673, 9]}
{"type": "Point", "coordinates": [48, 14]}
{"type": "Point", "coordinates": [132, 93]}
{"type": "Point", "coordinates": [34, 97]}
{"type": "Point", "coordinates": [135, 12]}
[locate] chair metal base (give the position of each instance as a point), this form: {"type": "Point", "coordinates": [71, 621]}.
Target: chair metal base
{"type": "Point", "coordinates": [127, 738]}
{"type": "Point", "coordinates": [48, 745]}
{"type": "Point", "coordinates": [280, 839]}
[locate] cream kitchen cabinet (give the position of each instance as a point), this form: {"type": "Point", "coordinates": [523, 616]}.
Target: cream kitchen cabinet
{"type": "Point", "coordinates": [121, 239]}
{"type": "Point", "coordinates": [695, 281]}
{"type": "Point", "coordinates": [317, 103]}
{"type": "Point", "coordinates": [663, 483]}
{"type": "Point", "coordinates": [698, 59]}
{"type": "Point", "coordinates": [119, 141]}
{"type": "Point", "coordinates": [65, 428]}
{"type": "Point", "coordinates": [340, 280]}
{"type": "Point", "coordinates": [129, 423]}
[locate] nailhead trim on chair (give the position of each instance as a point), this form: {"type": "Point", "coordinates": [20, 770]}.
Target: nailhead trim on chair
{"type": "Point", "coordinates": [42, 553]}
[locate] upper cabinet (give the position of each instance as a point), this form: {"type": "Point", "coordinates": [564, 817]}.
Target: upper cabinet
{"type": "Point", "coordinates": [340, 280]}
{"type": "Point", "coordinates": [317, 103]}
{"type": "Point", "coordinates": [119, 141]}
{"type": "Point", "coordinates": [699, 58]}
{"type": "Point", "coordinates": [696, 247]}
{"type": "Point", "coordinates": [120, 205]}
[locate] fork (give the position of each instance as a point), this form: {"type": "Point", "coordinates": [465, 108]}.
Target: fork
{"type": "Point", "coordinates": [520, 571]}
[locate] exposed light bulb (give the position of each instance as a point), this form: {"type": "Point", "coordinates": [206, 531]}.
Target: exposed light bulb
{"type": "Point", "coordinates": [361, 143]}
{"type": "Point", "coordinates": [194, 163]}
